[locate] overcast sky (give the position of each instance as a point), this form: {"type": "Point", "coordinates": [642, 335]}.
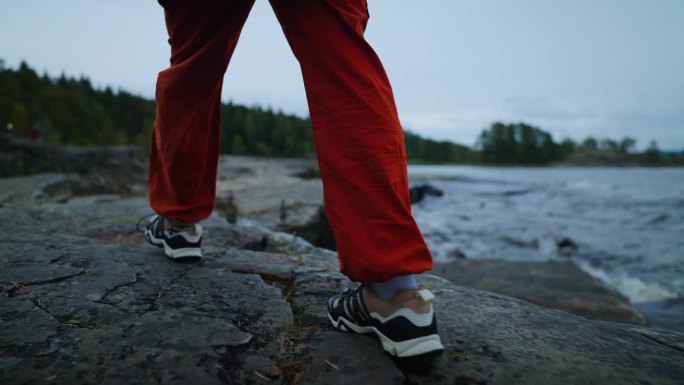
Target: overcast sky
{"type": "Point", "coordinates": [608, 68]}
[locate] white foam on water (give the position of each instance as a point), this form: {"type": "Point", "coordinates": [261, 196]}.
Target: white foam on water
{"type": "Point", "coordinates": [590, 185]}
{"type": "Point", "coordinates": [633, 288]}
{"type": "Point", "coordinates": [631, 219]}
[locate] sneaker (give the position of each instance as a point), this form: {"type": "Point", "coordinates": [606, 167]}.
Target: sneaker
{"type": "Point", "coordinates": [406, 325]}
{"type": "Point", "coordinates": [180, 240]}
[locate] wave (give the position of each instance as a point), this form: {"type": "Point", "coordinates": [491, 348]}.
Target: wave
{"type": "Point", "coordinates": [635, 289]}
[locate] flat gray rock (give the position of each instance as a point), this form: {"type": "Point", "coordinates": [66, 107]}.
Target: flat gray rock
{"type": "Point", "coordinates": [494, 339]}
{"type": "Point", "coordinates": [27, 190]}
{"type": "Point", "coordinates": [82, 302]}
{"type": "Point", "coordinates": [559, 285]}
{"type": "Point", "coordinates": [286, 192]}
{"type": "Point", "coordinates": [347, 359]}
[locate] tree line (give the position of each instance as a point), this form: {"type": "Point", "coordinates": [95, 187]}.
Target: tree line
{"type": "Point", "coordinates": [521, 143]}
{"type": "Point", "coordinates": [67, 110]}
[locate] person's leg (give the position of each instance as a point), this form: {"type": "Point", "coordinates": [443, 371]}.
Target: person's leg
{"type": "Point", "coordinates": [185, 143]}
{"type": "Point", "coordinates": [359, 140]}
{"type": "Point", "coordinates": [361, 154]}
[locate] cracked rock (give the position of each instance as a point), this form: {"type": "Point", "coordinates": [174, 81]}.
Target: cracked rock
{"type": "Point", "coordinates": [85, 300]}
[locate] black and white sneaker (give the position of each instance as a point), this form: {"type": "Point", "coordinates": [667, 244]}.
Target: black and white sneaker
{"type": "Point", "coordinates": [406, 325]}
{"type": "Point", "coordinates": [180, 241]}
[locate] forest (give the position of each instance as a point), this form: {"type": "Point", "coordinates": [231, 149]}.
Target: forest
{"type": "Point", "coordinates": [66, 110]}
{"type": "Point", "coordinates": [523, 144]}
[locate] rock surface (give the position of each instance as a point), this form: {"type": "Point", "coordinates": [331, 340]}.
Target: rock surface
{"type": "Point", "coordinates": [559, 285]}
{"type": "Point", "coordinates": [495, 339]}
{"type": "Point", "coordinates": [419, 192]}
{"type": "Point", "coordinates": [120, 169]}
{"type": "Point", "coordinates": [84, 299]}
{"type": "Point", "coordinates": [283, 194]}
{"type": "Point", "coordinates": [271, 193]}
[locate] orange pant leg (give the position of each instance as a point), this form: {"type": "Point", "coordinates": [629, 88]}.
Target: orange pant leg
{"type": "Point", "coordinates": [359, 140]}
{"type": "Point", "coordinates": [186, 139]}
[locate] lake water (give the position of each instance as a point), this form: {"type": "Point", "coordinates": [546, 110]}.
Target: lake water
{"type": "Point", "coordinates": [627, 223]}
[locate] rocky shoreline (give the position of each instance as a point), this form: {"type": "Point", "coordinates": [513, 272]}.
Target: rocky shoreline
{"type": "Point", "coordinates": [271, 193]}
{"type": "Point", "coordinates": [84, 299]}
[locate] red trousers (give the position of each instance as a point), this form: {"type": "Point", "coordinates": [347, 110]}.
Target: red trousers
{"type": "Point", "coordinates": [358, 137]}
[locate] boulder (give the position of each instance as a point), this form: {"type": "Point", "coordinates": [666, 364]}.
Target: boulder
{"type": "Point", "coordinates": [419, 192]}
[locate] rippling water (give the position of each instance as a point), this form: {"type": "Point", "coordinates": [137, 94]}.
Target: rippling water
{"type": "Point", "coordinates": [627, 223]}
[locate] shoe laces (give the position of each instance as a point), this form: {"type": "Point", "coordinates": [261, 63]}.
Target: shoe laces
{"type": "Point", "coordinates": [143, 219]}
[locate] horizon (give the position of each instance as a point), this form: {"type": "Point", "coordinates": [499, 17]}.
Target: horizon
{"type": "Point", "coordinates": [117, 90]}
{"type": "Point", "coordinates": [574, 69]}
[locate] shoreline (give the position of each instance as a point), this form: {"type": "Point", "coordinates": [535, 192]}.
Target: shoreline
{"type": "Point", "coordinates": [283, 194]}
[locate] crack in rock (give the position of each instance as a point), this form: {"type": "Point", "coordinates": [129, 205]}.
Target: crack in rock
{"type": "Point", "coordinates": [18, 287]}
{"type": "Point", "coordinates": [38, 305]}
{"type": "Point", "coordinates": [57, 259]}
{"type": "Point", "coordinates": [664, 343]}
{"type": "Point", "coordinates": [102, 299]}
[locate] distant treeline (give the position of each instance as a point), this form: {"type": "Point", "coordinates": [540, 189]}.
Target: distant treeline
{"type": "Point", "coordinates": [71, 111]}
{"type": "Point", "coordinates": [68, 110]}
{"type": "Point", "coordinates": [521, 143]}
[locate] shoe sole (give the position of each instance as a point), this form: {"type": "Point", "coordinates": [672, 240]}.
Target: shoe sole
{"type": "Point", "coordinates": [187, 253]}
{"type": "Point", "coordinates": [417, 347]}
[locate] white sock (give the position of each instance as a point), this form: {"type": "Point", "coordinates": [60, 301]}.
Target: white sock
{"type": "Point", "coordinates": [387, 290]}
